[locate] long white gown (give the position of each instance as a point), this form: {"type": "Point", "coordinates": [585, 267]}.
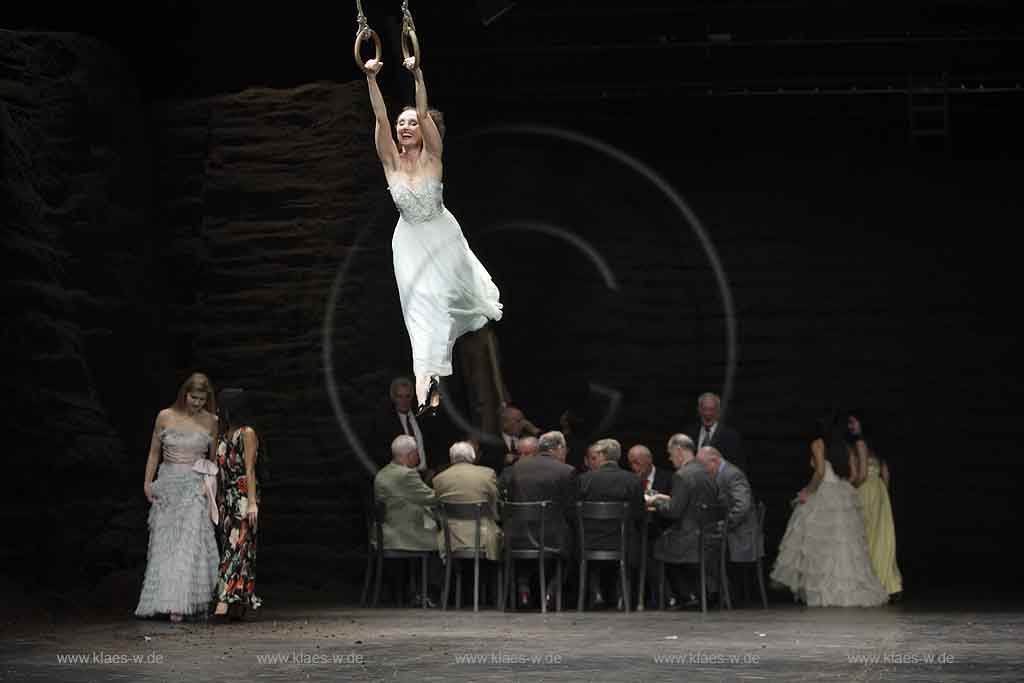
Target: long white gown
{"type": "Point", "coordinates": [823, 557]}
{"type": "Point", "coordinates": [444, 289]}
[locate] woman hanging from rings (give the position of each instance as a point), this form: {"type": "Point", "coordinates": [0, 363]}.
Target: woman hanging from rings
{"type": "Point", "coordinates": [444, 290]}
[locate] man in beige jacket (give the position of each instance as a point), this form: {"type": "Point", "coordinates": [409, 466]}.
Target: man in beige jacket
{"type": "Point", "coordinates": [467, 482]}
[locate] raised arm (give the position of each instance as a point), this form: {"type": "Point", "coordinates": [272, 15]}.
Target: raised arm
{"type": "Point", "coordinates": [387, 151]}
{"type": "Point", "coordinates": [431, 135]}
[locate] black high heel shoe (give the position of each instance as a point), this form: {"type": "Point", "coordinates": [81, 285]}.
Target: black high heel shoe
{"type": "Point", "coordinates": [428, 407]}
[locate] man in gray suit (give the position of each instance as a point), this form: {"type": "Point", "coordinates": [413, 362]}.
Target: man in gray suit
{"type": "Point", "coordinates": [691, 486]}
{"type": "Point", "coordinates": [735, 493]}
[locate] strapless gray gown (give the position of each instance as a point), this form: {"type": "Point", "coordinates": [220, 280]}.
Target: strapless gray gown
{"type": "Point", "coordinates": [181, 565]}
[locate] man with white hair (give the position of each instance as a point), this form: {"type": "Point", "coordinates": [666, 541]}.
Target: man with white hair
{"type": "Point", "coordinates": [397, 417]}
{"type": "Point", "coordinates": [409, 521]}
{"type": "Point", "coordinates": [466, 482]}
{"type": "Point", "coordinates": [735, 493]}
{"type": "Point", "coordinates": [711, 430]}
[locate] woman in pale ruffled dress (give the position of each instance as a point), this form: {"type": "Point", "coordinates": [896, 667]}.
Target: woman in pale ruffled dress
{"type": "Point", "coordinates": [181, 564]}
{"type": "Point", "coordinates": [823, 558]}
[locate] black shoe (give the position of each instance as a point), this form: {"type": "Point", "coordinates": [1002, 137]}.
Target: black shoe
{"type": "Point", "coordinates": [428, 407]}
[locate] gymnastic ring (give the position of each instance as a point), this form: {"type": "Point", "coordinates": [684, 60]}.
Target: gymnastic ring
{"type": "Point", "coordinates": [415, 54]}
{"type": "Point", "coordinates": [362, 37]}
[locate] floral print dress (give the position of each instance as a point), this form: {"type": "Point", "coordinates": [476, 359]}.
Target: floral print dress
{"type": "Point", "coordinates": [238, 541]}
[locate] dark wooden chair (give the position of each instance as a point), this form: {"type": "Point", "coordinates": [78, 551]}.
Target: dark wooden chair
{"type": "Point", "coordinates": [522, 514]}
{"type": "Point", "coordinates": [610, 511]}
{"type": "Point", "coordinates": [379, 515]}
{"type": "Point", "coordinates": [710, 533]}
{"type": "Point", "coordinates": [466, 511]}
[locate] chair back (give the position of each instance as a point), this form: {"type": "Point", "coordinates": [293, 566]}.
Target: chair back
{"type": "Point", "coordinates": [711, 518]}
{"type": "Point", "coordinates": [378, 513]}
{"type": "Point", "coordinates": [469, 511]}
{"type": "Point", "coordinates": [540, 511]}
{"type": "Point", "coordinates": [602, 510]}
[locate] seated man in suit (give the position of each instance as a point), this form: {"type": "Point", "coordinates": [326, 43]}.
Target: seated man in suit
{"type": "Point", "coordinates": [610, 483]}
{"type": "Point", "coordinates": [514, 427]}
{"type": "Point", "coordinates": [735, 493]}
{"type": "Point", "coordinates": [409, 522]}
{"type": "Point", "coordinates": [653, 480]}
{"type": "Point", "coordinates": [691, 486]}
{"type": "Point", "coordinates": [711, 431]}
{"type": "Point", "coordinates": [526, 447]}
{"type": "Point", "coordinates": [467, 482]}
{"type": "Point", "coordinates": [537, 478]}
{"type": "Point", "coordinates": [395, 418]}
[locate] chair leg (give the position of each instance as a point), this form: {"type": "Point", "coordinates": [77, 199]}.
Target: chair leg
{"type": "Point", "coordinates": [625, 584]}
{"type": "Point", "coordinates": [380, 574]}
{"type": "Point", "coordinates": [423, 581]}
{"type": "Point", "coordinates": [582, 585]}
{"type": "Point", "coordinates": [760, 584]}
{"type": "Point", "coordinates": [558, 586]}
{"type": "Point", "coordinates": [369, 576]}
{"type": "Point", "coordinates": [703, 586]}
{"type": "Point", "coordinates": [447, 583]}
{"type": "Point", "coordinates": [476, 582]}
{"type": "Point", "coordinates": [661, 585]}
{"type": "Point", "coordinates": [543, 584]}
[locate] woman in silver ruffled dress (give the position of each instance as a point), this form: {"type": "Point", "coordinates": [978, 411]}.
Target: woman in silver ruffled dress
{"type": "Point", "coordinates": [181, 565]}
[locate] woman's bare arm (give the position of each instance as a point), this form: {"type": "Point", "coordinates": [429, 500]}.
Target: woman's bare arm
{"type": "Point", "coordinates": [818, 451]}
{"type": "Point", "coordinates": [154, 454]}
{"type": "Point", "coordinates": [387, 151]}
{"type": "Point", "coordinates": [432, 144]}
{"type": "Point", "coordinates": [251, 446]}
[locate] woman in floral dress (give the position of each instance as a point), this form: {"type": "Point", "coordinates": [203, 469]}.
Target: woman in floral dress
{"type": "Point", "coordinates": [237, 450]}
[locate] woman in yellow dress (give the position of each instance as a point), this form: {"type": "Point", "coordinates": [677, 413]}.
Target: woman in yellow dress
{"type": "Point", "coordinates": [878, 522]}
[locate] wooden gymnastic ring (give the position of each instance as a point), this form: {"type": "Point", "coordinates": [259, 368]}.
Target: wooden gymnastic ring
{"type": "Point", "coordinates": [362, 37]}
{"type": "Point", "coordinates": [406, 31]}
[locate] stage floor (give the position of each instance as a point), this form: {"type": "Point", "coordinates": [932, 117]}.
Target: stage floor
{"type": "Point", "coordinates": [296, 643]}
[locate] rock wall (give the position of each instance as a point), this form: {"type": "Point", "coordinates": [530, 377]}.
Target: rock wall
{"type": "Point", "coordinates": [82, 288]}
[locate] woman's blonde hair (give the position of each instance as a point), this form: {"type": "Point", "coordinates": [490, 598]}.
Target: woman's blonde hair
{"type": "Point", "coordinates": [197, 381]}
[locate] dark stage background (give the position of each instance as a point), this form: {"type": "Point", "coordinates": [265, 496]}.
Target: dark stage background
{"type": "Point", "coordinates": [181, 184]}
